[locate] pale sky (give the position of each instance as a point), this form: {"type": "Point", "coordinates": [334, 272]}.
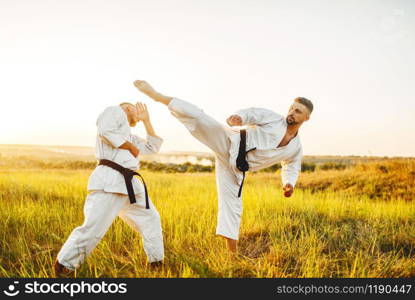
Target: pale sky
{"type": "Point", "coordinates": [63, 62]}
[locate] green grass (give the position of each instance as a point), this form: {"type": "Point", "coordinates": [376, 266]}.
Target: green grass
{"type": "Point", "coordinates": [329, 232]}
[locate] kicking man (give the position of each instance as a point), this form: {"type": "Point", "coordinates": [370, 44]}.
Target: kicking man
{"type": "Point", "coordinates": [114, 191]}
{"type": "Point", "coordinates": [269, 139]}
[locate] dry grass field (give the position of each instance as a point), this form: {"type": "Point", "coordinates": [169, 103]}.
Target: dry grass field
{"type": "Point", "coordinates": [353, 222]}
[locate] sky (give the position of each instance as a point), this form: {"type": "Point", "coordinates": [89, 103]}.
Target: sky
{"type": "Point", "coordinates": [63, 62]}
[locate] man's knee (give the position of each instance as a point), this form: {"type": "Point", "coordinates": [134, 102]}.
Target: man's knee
{"type": "Point", "coordinates": [152, 226]}
{"type": "Point", "coordinates": [181, 108]}
{"type": "Point", "coordinates": [155, 216]}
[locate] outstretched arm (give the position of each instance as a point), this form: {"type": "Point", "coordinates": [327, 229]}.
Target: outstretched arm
{"type": "Point", "coordinates": [289, 173]}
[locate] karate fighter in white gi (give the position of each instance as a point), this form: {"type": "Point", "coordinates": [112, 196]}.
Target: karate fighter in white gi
{"type": "Point", "coordinates": [108, 195]}
{"type": "Point", "coordinates": [270, 139]}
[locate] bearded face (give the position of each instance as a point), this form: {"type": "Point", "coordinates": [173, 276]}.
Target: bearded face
{"type": "Point", "coordinates": [297, 114]}
{"type": "Point", "coordinates": [290, 120]}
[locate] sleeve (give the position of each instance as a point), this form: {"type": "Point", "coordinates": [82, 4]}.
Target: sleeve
{"type": "Point", "coordinates": [257, 116]}
{"type": "Point", "coordinates": [290, 169]}
{"type": "Point", "coordinates": [147, 146]}
{"type": "Point", "coordinates": [109, 127]}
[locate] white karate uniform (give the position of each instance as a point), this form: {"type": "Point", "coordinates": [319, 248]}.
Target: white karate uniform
{"type": "Point", "coordinates": [108, 196]}
{"type": "Point", "coordinates": [265, 132]}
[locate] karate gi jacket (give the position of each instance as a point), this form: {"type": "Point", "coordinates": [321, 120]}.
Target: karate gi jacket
{"type": "Point", "coordinates": [265, 131]}
{"type": "Point", "coordinates": [113, 130]}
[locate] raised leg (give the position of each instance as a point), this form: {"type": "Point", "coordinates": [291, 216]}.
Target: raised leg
{"type": "Point", "coordinates": [202, 126]}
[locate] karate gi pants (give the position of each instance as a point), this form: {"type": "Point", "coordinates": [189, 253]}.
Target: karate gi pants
{"type": "Point", "coordinates": [215, 136]}
{"type": "Point", "coordinates": [100, 210]}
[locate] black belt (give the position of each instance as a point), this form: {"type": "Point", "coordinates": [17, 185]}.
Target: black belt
{"type": "Point", "coordinates": [241, 162]}
{"type": "Point", "coordinates": [128, 176]}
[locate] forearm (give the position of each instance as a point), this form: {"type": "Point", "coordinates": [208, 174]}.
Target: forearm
{"type": "Point", "coordinates": [149, 128]}
{"type": "Point", "coordinates": [130, 147]}
{"type": "Point", "coordinates": [256, 116]}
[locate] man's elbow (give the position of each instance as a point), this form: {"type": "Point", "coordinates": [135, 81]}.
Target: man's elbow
{"type": "Point", "coordinates": [105, 140]}
{"type": "Point", "coordinates": [151, 149]}
{"type": "Point", "coordinates": [114, 141]}
{"type": "Point", "coordinates": [156, 149]}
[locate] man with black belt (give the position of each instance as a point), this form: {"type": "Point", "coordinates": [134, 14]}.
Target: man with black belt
{"type": "Point", "coordinates": [269, 139]}
{"type": "Point", "coordinates": [114, 190]}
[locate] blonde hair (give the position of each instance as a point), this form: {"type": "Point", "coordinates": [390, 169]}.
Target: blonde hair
{"type": "Point", "coordinates": [126, 103]}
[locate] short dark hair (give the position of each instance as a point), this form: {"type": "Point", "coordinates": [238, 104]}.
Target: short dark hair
{"type": "Point", "coordinates": [307, 103]}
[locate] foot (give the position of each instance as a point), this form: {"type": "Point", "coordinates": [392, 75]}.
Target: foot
{"type": "Point", "coordinates": [62, 272]}
{"type": "Point", "coordinates": [147, 89]}
{"type": "Point", "coordinates": [156, 265]}
{"type": "Point", "coordinates": [232, 245]}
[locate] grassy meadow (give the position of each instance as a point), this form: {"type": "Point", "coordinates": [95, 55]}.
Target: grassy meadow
{"type": "Point", "coordinates": [357, 221]}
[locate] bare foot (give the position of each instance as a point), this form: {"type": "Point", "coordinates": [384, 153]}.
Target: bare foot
{"type": "Point", "coordinates": [62, 272]}
{"type": "Point", "coordinates": [147, 89]}
{"type": "Point", "coordinates": [156, 266]}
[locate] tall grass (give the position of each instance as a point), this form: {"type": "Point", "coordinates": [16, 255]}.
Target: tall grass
{"type": "Point", "coordinates": [330, 232]}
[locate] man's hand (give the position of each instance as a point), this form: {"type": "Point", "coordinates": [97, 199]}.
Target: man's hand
{"type": "Point", "coordinates": [234, 120]}
{"type": "Point", "coordinates": [288, 190]}
{"type": "Point", "coordinates": [142, 112]}
{"type": "Point", "coordinates": [134, 150]}
{"type": "Point", "coordinates": [130, 147]}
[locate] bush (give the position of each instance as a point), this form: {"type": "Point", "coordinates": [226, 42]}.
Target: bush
{"type": "Point", "coordinates": [332, 166]}
{"type": "Point", "coordinates": [308, 167]}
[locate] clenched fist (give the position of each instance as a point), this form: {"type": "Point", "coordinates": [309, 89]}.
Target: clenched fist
{"type": "Point", "coordinates": [288, 190]}
{"type": "Point", "coordinates": [234, 120]}
{"type": "Point", "coordinates": [134, 151]}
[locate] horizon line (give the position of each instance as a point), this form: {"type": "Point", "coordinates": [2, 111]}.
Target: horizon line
{"type": "Point", "coordinates": [204, 152]}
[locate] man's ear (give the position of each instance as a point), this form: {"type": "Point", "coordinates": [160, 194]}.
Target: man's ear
{"type": "Point", "coordinates": [130, 109]}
